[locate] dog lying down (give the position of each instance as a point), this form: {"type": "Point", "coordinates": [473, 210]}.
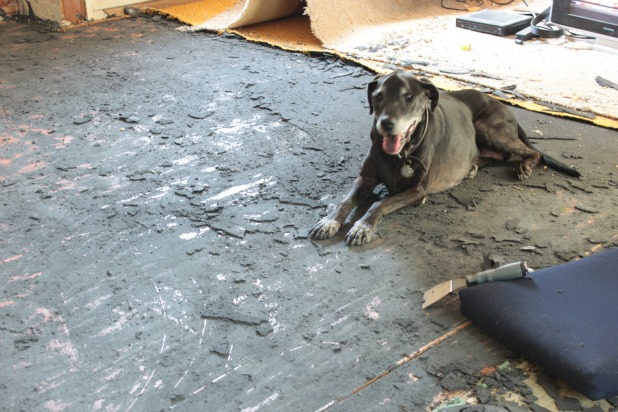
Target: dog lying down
{"type": "Point", "coordinates": [425, 142]}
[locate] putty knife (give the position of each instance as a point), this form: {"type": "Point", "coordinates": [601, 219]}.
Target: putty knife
{"type": "Point", "coordinates": [509, 271]}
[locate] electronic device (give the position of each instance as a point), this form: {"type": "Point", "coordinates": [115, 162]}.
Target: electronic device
{"type": "Point", "coordinates": [594, 18]}
{"type": "Point", "coordinates": [494, 22]}
{"type": "Point", "coordinates": [524, 34]}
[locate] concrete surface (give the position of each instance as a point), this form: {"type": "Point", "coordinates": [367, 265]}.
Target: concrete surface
{"type": "Point", "coordinates": [157, 191]}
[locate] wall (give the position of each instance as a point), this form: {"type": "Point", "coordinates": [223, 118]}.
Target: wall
{"type": "Point", "coordinates": [43, 9]}
{"type": "Point", "coordinates": [64, 12]}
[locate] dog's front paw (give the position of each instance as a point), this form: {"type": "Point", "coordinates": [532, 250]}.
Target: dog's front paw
{"type": "Point", "coordinates": [359, 234]}
{"type": "Point", "coordinates": [325, 229]}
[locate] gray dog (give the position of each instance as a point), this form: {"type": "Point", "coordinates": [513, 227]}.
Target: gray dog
{"type": "Point", "coordinates": [425, 142]}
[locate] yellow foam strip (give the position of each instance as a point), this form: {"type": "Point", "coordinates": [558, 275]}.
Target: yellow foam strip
{"type": "Point", "coordinates": [446, 83]}
{"type": "Point", "coordinates": [292, 33]}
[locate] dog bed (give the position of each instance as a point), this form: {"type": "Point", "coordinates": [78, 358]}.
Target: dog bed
{"type": "Point", "coordinates": [564, 318]}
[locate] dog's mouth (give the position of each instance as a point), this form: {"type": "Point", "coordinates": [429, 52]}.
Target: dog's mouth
{"type": "Point", "coordinates": [393, 144]}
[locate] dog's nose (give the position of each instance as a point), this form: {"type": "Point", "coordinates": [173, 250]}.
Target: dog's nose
{"type": "Point", "coordinates": [387, 124]}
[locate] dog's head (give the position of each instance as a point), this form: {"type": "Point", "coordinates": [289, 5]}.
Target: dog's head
{"type": "Point", "coordinates": [400, 101]}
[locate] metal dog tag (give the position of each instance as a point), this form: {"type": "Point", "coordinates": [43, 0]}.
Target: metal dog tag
{"type": "Point", "coordinates": [407, 171]}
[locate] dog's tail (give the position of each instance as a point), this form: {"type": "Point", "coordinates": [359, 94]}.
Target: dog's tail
{"type": "Point", "coordinates": [547, 159]}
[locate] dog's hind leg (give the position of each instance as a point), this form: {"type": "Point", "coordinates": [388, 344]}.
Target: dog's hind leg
{"type": "Point", "coordinates": [473, 172]}
{"type": "Point", "coordinates": [548, 160]}
{"type": "Point", "coordinates": [500, 138]}
{"type": "Point", "coordinates": [530, 157]}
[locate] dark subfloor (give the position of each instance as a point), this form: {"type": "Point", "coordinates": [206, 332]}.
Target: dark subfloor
{"type": "Point", "coordinates": [157, 191]}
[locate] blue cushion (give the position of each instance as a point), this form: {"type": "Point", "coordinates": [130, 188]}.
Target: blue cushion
{"type": "Point", "coordinates": [564, 318]}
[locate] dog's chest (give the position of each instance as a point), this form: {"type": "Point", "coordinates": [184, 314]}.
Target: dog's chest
{"type": "Point", "coordinates": [398, 175]}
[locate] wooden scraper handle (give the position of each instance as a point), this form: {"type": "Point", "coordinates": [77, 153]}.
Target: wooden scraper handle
{"type": "Point", "coordinates": [509, 271]}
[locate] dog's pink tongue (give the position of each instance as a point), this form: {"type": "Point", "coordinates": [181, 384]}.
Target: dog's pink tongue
{"type": "Point", "coordinates": [390, 144]}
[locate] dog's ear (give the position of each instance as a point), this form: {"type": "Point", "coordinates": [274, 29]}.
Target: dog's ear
{"type": "Point", "coordinates": [371, 87]}
{"type": "Point", "coordinates": [432, 91]}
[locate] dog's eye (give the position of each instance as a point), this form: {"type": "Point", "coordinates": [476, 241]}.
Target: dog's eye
{"type": "Point", "coordinates": [378, 97]}
{"type": "Point", "coordinates": [408, 97]}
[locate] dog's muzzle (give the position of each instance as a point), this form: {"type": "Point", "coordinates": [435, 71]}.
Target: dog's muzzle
{"type": "Point", "coordinates": [393, 144]}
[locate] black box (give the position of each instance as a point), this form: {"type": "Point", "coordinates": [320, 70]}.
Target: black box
{"type": "Point", "coordinates": [494, 22]}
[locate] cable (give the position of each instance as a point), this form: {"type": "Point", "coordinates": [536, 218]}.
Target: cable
{"type": "Point", "coordinates": [578, 36]}
{"type": "Point", "coordinates": [540, 27]}
{"type": "Point", "coordinates": [444, 6]}
{"type": "Point", "coordinates": [529, 9]}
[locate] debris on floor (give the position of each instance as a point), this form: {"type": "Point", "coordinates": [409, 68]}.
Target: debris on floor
{"type": "Point", "coordinates": [156, 191]}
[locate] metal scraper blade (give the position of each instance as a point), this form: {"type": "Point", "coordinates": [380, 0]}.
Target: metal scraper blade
{"type": "Point", "coordinates": [439, 291]}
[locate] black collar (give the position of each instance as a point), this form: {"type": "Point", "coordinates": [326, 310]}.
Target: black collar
{"type": "Point", "coordinates": [414, 144]}
{"type": "Point", "coordinates": [417, 136]}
